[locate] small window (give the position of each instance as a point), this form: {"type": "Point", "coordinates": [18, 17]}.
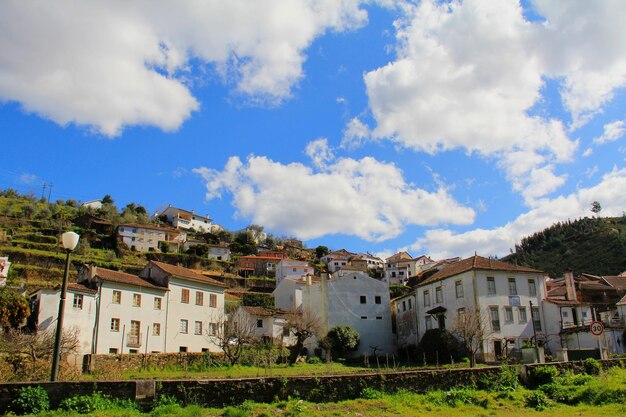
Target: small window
{"type": "Point", "coordinates": [78, 301]}
{"type": "Point", "coordinates": [522, 315]}
{"type": "Point", "coordinates": [199, 298]}
{"type": "Point", "coordinates": [495, 318]}
{"type": "Point", "coordinates": [259, 323]}
{"type": "Point", "coordinates": [512, 286]}
{"type": "Point", "coordinates": [198, 328]}
{"type": "Point", "coordinates": [536, 319]}
{"type": "Point", "coordinates": [182, 349]}
{"type": "Point", "coordinates": [136, 300]}
{"type": "Point", "coordinates": [213, 300]}
{"type": "Point", "coordinates": [184, 296]}
{"type": "Point", "coordinates": [363, 299]}
{"type": "Point", "coordinates": [379, 317]}
{"type": "Point", "coordinates": [184, 326]}
{"type": "Point", "coordinates": [426, 298]}
{"type": "Point", "coordinates": [115, 325]}
{"type": "Point", "coordinates": [458, 287]}
{"type": "Point", "coordinates": [212, 329]}
{"type": "Point", "coordinates": [439, 295]}
{"type": "Point", "coordinates": [363, 317]}
{"type": "Point", "coordinates": [410, 304]}
{"type": "Point", "coordinates": [491, 286]}
{"type": "Point", "coordinates": [117, 297]}
{"type": "Point", "coordinates": [286, 331]}
{"type": "Point", "coordinates": [113, 351]}
{"type": "Point", "coordinates": [132, 351]}
{"type": "Point", "coordinates": [156, 329]}
{"type": "Point", "coordinates": [403, 306]}
{"type": "Point", "coordinates": [377, 299]}
{"type": "Point", "coordinates": [508, 314]}
{"type": "Point", "coordinates": [429, 323]}
{"type": "Point", "coordinates": [157, 303]}
{"type": "Point", "coordinates": [532, 288]}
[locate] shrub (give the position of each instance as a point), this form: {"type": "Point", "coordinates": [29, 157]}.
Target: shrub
{"type": "Point", "coordinates": [84, 404]}
{"type": "Point", "coordinates": [371, 394]}
{"type": "Point", "coordinates": [506, 381]}
{"type": "Point", "coordinates": [537, 400]}
{"type": "Point", "coordinates": [31, 400]}
{"type": "Point", "coordinates": [592, 366]}
{"type": "Point", "coordinates": [440, 346]}
{"type": "Point", "coordinates": [235, 412]}
{"type": "Point", "coordinates": [342, 340]}
{"type": "Point", "coordinates": [464, 396]}
{"type": "Point", "coordinates": [164, 401]}
{"type": "Point", "coordinates": [541, 375]}
{"type": "Point", "coordinates": [313, 360]}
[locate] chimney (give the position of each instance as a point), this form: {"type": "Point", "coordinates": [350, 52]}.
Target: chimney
{"type": "Point", "coordinates": [570, 286]}
{"type": "Point", "coordinates": [308, 280]}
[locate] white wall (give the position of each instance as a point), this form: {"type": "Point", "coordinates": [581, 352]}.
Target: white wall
{"type": "Point", "coordinates": [406, 321]}
{"type": "Point", "coordinates": [142, 239]}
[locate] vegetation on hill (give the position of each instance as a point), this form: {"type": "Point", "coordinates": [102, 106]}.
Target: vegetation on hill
{"type": "Point", "coordinates": [595, 245]}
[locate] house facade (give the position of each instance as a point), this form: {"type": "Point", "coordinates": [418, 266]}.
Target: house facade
{"type": "Point", "coordinates": [404, 318]}
{"type": "Point", "coordinates": [291, 268]}
{"type": "Point", "coordinates": [507, 298]}
{"type": "Point", "coordinates": [401, 266]}
{"type": "Point", "coordinates": [269, 324]}
{"type": "Point", "coordinates": [219, 252]}
{"type": "Point", "coordinates": [337, 259]}
{"type": "Point", "coordinates": [186, 220]}
{"type": "Point", "coordinates": [148, 238]}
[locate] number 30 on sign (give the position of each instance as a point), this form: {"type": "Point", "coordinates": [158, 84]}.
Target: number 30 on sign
{"type": "Point", "coordinates": [596, 328]}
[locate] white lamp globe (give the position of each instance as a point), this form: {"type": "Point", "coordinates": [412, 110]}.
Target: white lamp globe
{"type": "Point", "coordinates": [70, 240]}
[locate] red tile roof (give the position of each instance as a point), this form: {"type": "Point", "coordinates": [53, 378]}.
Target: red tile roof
{"type": "Point", "coordinates": [73, 286]}
{"type": "Point", "coordinates": [618, 282]}
{"type": "Point", "coordinates": [475, 263]}
{"type": "Point", "coordinates": [184, 273]}
{"type": "Point", "coordinates": [122, 277]}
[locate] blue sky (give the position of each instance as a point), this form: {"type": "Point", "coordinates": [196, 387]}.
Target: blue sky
{"type": "Point", "coordinates": [440, 128]}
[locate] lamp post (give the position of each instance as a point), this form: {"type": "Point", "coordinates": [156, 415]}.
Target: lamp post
{"type": "Point", "coordinates": [70, 240]}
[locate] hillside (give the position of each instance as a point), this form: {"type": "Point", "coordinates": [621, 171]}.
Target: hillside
{"type": "Point", "coordinates": [591, 245]}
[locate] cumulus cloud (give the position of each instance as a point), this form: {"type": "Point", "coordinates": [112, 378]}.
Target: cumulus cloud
{"type": "Point", "coordinates": [468, 74]}
{"type": "Point", "coordinates": [612, 132]}
{"type": "Point", "coordinates": [111, 64]}
{"type": "Point", "coordinates": [319, 152]}
{"type": "Point", "coordinates": [364, 198]}
{"type": "Point", "coordinates": [443, 243]}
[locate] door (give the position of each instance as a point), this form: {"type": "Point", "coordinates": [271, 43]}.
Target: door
{"type": "Point", "coordinates": [497, 348]}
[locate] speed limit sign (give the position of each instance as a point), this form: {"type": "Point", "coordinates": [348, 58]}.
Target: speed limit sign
{"type": "Point", "coordinates": [597, 328]}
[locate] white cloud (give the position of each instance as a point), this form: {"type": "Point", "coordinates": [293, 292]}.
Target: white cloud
{"type": "Point", "coordinates": [27, 178]}
{"type": "Point", "coordinates": [355, 134]}
{"type": "Point", "coordinates": [612, 132]}
{"type": "Point", "coordinates": [467, 75]}
{"type": "Point", "coordinates": [111, 64]}
{"type": "Point", "coordinates": [587, 152]}
{"type": "Point", "coordinates": [444, 243]}
{"type": "Point", "coordinates": [364, 198]}
{"type": "Point", "coordinates": [319, 152]}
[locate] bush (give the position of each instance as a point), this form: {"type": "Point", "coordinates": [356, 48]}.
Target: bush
{"type": "Point", "coordinates": [85, 404]}
{"type": "Point", "coordinates": [506, 381]}
{"type": "Point", "coordinates": [371, 394]}
{"type": "Point", "coordinates": [440, 346]}
{"type": "Point", "coordinates": [537, 400]}
{"type": "Point", "coordinates": [313, 360]}
{"type": "Point", "coordinates": [235, 412]}
{"type": "Point", "coordinates": [31, 400]}
{"type": "Point", "coordinates": [592, 366]}
{"type": "Point", "coordinates": [541, 375]}
{"type": "Point", "coordinates": [342, 340]}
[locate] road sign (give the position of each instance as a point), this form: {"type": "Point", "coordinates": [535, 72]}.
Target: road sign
{"type": "Point", "coordinates": [597, 328]}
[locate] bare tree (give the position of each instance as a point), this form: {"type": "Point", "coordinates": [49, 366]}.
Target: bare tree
{"type": "Point", "coordinates": [303, 324]}
{"type": "Point", "coordinates": [232, 333]}
{"type": "Point", "coordinates": [39, 345]}
{"type": "Point", "coordinates": [471, 327]}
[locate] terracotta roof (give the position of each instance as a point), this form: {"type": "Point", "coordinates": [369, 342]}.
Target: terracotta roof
{"type": "Point", "coordinates": [122, 277]}
{"type": "Point", "coordinates": [558, 291]}
{"type": "Point", "coordinates": [353, 268]}
{"type": "Point", "coordinates": [81, 287]}
{"type": "Point", "coordinates": [149, 226]}
{"type": "Point", "coordinates": [622, 302]}
{"type": "Point", "coordinates": [264, 311]}
{"type": "Point", "coordinates": [618, 282]}
{"type": "Point", "coordinates": [184, 273]}
{"type": "Point", "coordinates": [475, 262]}
{"type": "Point", "coordinates": [562, 302]}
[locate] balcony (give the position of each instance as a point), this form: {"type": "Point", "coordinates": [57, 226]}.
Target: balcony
{"type": "Point", "coordinates": [134, 340]}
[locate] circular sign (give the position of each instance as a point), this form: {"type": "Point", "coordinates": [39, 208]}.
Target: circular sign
{"type": "Point", "coordinates": [597, 328]}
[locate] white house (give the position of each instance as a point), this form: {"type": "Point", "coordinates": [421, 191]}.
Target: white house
{"type": "Point", "coordinates": [401, 266]}
{"type": "Point", "coordinates": [500, 292]}
{"type": "Point", "coordinates": [147, 238]}
{"type": "Point", "coordinates": [349, 298]}
{"type": "Point", "coordinates": [270, 324]}
{"type": "Point", "coordinates": [291, 268]}
{"type": "Point", "coordinates": [195, 306]}
{"type": "Point", "coordinates": [79, 313]}
{"type": "Point", "coordinates": [220, 252]}
{"type": "Point", "coordinates": [93, 204]}
{"type": "Point", "coordinates": [404, 310]}
{"type": "Point", "coordinates": [187, 220]}
{"type": "Point", "coordinates": [337, 259]}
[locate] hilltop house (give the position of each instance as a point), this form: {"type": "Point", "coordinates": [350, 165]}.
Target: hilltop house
{"type": "Point", "coordinates": [401, 266]}
{"type": "Point", "coordinates": [263, 264]}
{"type": "Point", "coordinates": [166, 308]}
{"type": "Point", "coordinates": [507, 297]}
{"type": "Point", "coordinates": [350, 298]}
{"type": "Point", "coordinates": [148, 238]}
{"type": "Point", "coordinates": [186, 220]}
{"type": "Point", "coordinates": [220, 252]}
{"type": "Point", "coordinates": [291, 268]}
{"type": "Point", "coordinates": [337, 259]}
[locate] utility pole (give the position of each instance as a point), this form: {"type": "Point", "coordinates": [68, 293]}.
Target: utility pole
{"type": "Point", "coordinates": [49, 191]}
{"type": "Point", "coordinates": [43, 190]}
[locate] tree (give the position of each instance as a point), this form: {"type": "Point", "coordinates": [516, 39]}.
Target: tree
{"type": "Point", "coordinates": [471, 328]}
{"type": "Point", "coordinates": [232, 333]}
{"type": "Point", "coordinates": [321, 251]}
{"type": "Point", "coordinates": [14, 309]}
{"type": "Point", "coordinates": [39, 345]}
{"type": "Point", "coordinates": [596, 207]}
{"type": "Point", "coordinates": [342, 340]}
{"type": "Point", "coordinates": [107, 200]}
{"type": "Point", "coordinates": [303, 324]}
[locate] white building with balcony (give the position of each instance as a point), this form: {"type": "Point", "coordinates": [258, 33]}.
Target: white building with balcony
{"type": "Point", "coordinates": [292, 268]}
{"type": "Point", "coordinates": [186, 220]}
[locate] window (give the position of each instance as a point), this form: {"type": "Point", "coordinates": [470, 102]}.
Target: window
{"type": "Point", "coordinates": [379, 317]}
{"type": "Point", "coordinates": [460, 313]}
{"type": "Point", "coordinates": [157, 303]}
{"type": "Point", "coordinates": [410, 304]}
{"type": "Point", "coordinates": [136, 300]}
{"type": "Point", "coordinates": [199, 298]}
{"type": "Point", "coordinates": [117, 297]}
{"type": "Point", "coordinates": [439, 295]}
{"type": "Point", "coordinates": [156, 329]}
{"type": "Point", "coordinates": [363, 317]}
{"type": "Point", "coordinates": [404, 306]}
{"type": "Point", "coordinates": [536, 318]}
{"type": "Point", "coordinates": [184, 326]}
{"type": "Point", "coordinates": [458, 287]}
{"type": "Point", "coordinates": [491, 286]}
{"type": "Point", "coordinates": [363, 299]}
{"type": "Point", "coordinates": [184, 296]}
{"type": "Point", "coordinates": [115, 325]}
{"type": "Point", "coordinates": [259, 323]}
{"type": "Point", "coordinates": [113, 351]}
{"type": "Point", "coordinates": [286, 331]}
{"type": "Point", "coordinates": [522, 314]}
{"type": "Point", "coordinates": [213, 300]}
{"type": "Point", "coordinates": [532, 288]}
{"type": "Point", "coordinates": [495, 318]}
{"type": "Point", "coordinates": [78, 301]}
{"type": "Point", "coordinates": [182, 349]}
{"type": "Point", "coordinates": [377, 299]}
{"type": "Point", "coordinates": [212, 329]}
{"type": "Point", "coordinates": [508, 314]}
{"type": "Point", "coordinates": [512, 286]}
{"type": "Point", "coordinates": [429, 323]}
{"type": "Point", "coordinates": [198, 328]}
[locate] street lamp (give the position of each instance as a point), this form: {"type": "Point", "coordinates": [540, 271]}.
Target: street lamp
{"type": "Point", "coordinates": [69, 240]}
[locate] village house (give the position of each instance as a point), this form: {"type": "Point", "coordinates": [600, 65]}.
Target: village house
{"type": "Point", "coordinates": [148, 238]}
{"type": "Point", "coordinates": [367, 261]}
{"type": "Point", "coordinates": [269, 324]}
{"type": "Point", "coordinates": [186, 220]}
{"type": "Point", "coordinates": [507, 297]}
{"type": "Point", "coordinates": [401, 266]}
{"type": "Point", "coordinates": [404, 319]}
{"type": "Point", "coordinates": [349, 298]}
{"type": "Point", "coordinates": [573, 302]}
{"type": "Point", "coordinates": [291, 268]}
{"type": "Point", "coordinates": [337, 259]}
{"type": "Point", "coordinates": [219, 252]}
{"type": "Point", "coordinates": [263, 264]}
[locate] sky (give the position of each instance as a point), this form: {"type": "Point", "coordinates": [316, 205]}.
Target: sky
{"type": "Point", "coordinates": [444, 128]}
